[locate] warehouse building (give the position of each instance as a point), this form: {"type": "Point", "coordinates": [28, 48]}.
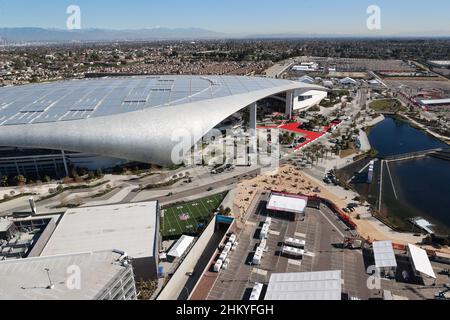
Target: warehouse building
{"type": "Point", "coordinates": [133, 228]}
{"type": "Point", "coordinates": [104, 275]}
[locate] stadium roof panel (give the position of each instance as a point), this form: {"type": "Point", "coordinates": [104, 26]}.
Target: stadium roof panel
{"type": "Point", "coordinates": [90, 98]}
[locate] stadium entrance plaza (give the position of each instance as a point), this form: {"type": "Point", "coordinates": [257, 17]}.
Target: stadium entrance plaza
{"type": "Point", "coordinates": [324, 235]}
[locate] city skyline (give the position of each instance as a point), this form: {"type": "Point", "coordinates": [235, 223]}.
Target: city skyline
{"type": "Point", "coordinates": [234, 17]}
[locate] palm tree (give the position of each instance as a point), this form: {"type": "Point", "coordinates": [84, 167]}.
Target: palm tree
{"type": "Point", "coordinates": [5, 181]}
{"type": "Point", "coordinates": [20, 180]}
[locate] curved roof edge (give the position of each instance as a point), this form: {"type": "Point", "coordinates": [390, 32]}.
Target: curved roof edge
{"type": "Point", "coordinates": [147, 135]}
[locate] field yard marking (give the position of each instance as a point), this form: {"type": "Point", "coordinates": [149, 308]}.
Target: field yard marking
{"type": "Point", "coordinates": [193, 216]}
{"type": "Point", "coordinates": [177, 219]}
{"type": "Point", "coordinates": [210, 204]}
{"type": "Point", "coordinates": [174, 224]}
{"type": "Point", "coordinates": [205, 207]}
{"type": "Point", "coordinates": [199, 212]}
{"type": "Point", "coordinates": [167, 216]}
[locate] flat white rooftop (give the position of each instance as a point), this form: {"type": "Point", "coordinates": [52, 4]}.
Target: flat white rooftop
{"type": "Point", "coordinates": [384, 254]}
{"type": "Point", "coordinates": [323, 285]}
{"type": "Point", "coordinates": [287, 203]}
{"type": "Point", "coordinates": [128, 227]}
{"type": "Point", "coordinates": [420, 261]}
{"type": "Point", "coordinates": [26, 279]}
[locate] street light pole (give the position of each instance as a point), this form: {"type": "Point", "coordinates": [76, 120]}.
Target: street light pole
{"type": "Point", "coordinates": [51, 285]}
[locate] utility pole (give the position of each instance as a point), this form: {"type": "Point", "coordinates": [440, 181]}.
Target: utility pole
{"type": "Point", "coordinates": [51, 285]}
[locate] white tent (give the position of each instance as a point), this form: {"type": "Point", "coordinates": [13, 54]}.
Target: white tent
{"type": "Point", "coordinates": [348, 81]}
{"type": "Point", "coordinates": [420, 261]}
{"type": "Point", "coordinates": [180, 247]}
{"type": "Point", "coordinates": [306, 79]}
{"type": "Point", "coordinates": [287, 203]}
{"type": "Point", "coordinates": [384, 254]}
{"type": "Point", "coordinates": [323, 285]}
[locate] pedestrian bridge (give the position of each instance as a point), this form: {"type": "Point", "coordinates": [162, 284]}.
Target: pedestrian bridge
{"type": "Point", "coordinates": [440, 153]}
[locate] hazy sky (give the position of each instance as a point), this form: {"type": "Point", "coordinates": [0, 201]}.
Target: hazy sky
{"type": "Point", "coordinates": [234, 16]}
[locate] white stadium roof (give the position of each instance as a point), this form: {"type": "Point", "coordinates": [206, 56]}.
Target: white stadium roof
{"type": "Point", "coordinates": [98, 97]}
{"type": "Point", "coordinates": [434, 101]}
{"type": "Point", "coordinates": [128, 227]}
{"type": "Point", "coordinates": [384, 254]}
{"type": "Point", "coordinates": [133, 118]}
{"type": "Point", "coordinates": [180, 247]}
{"type": "Point", "coordinates": [323, 285]}
{"type": "Point", "coordinates": [420, 261]}
{"type": "Point", "coordinates": [287, 203]}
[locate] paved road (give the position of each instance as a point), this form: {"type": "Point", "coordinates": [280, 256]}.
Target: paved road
{"type": "Point", "coordinates": [125, 194]}
{"type": "Point", "coordinates": [211, 187]}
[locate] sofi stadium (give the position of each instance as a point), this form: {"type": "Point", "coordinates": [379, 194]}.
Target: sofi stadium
{"type": "Point", "coordinates": [95, 122]}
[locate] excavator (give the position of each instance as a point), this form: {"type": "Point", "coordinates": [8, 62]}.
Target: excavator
{"type": "Point", "coordinates": [443, 295]}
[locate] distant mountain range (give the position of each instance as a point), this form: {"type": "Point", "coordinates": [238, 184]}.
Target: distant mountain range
{"type": "Point", "coordinates": [14, 35]}
{"type": "Point", "coordinates": [61, 35]}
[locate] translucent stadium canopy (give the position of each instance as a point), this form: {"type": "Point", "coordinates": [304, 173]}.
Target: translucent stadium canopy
{"type": "Point", "coordinates": [135, 118]}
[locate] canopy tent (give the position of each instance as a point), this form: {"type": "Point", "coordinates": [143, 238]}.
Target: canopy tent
{"type": "Point", "coordinates": [384, 254]}
{"type": "Point", "coordinates": [323, 285]}
{"type": "Point", "coordinates": [420, 261]}
{"type": "Point", "coordinates": [180, 247]}
{"type": "Point", "coordinates": [287, 203]}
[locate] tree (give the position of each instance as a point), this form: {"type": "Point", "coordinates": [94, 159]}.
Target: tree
{"type": "Point", "coordinates": [5, 181]}
{"type": "Point", "coordinates": [20, 180]}
{"type": "Point", "coordinates": [146, 289]}
{"type": "Point", "coordinates": [99, 174]}
{"type": "Point", "coordinates": [91, 175]}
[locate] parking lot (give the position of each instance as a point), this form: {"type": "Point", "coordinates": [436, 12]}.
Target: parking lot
{"type": "Point", "coordinates": [324, 235]}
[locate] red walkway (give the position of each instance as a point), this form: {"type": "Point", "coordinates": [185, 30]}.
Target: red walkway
{"type": "Point", "coordinates": [310, 136]}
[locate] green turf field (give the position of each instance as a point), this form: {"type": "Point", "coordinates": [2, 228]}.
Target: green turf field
{"type": "Point", "coordinates": [197, 211]}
